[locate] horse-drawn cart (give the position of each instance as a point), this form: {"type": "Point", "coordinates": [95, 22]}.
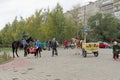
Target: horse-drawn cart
{"type": "Point", "coordinates": [88, 48]}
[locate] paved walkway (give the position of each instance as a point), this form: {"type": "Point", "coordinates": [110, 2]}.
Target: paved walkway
{"type": "Point", "coordinates": [66, 66]}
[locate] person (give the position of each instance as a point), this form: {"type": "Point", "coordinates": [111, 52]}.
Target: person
{"type": "Point", "coordinates": [38, 48]}
{"type": "Point", "coordinates": [65, 44]}
{"type": "Point", "coordinates": [54, 47]}
{"type": "Point", "coordinates": [116, 50]}
{"type": "Point", "coordinates": [49, 45]}
{"type": "Point", "coordinates": [44, 45]}
{"type": "Point", "coordinates": [24, 43]}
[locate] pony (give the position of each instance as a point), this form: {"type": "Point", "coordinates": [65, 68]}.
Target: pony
{"type": "Point", "coordinates": [38, 51]}
{"type": "Point", "coordinates": [77, 42]}
{"type": "Point", "coordinates": [18, 44]}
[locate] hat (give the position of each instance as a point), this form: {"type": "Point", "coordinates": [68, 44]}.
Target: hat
{"type": "Point", "coordinates": [53, 39]}
{"type": "Point", "coordinates": [115, 42]}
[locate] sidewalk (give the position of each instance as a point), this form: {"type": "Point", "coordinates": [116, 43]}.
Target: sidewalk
{"type": "Point", "coordinates": [66, 66]}
{"type": "Point", "coordinates": [17, 62]}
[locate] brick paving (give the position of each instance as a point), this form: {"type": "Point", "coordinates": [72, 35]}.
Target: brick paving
{"type": "Point", "coordinates": [17, 62]}
{"type": "Point", "coordinates": [66, 66]}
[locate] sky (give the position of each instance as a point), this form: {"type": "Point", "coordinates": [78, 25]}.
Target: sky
{"type": "Point", "coordinates": [25, 8]}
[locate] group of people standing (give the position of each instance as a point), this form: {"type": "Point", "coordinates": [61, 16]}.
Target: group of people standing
{"type": "Point", "coordinates": [52, 44]}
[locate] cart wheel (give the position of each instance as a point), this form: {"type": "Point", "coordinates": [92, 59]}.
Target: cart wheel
{"type": "Point", "coordinates": [84, 53]}
{"type": "Point", "coordinates": [96, 54]}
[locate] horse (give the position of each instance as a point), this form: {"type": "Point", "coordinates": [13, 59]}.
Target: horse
{"type": "Point", "coordinates": [18, 44]}
{"type": "Point", "coordinates": [77, 43]}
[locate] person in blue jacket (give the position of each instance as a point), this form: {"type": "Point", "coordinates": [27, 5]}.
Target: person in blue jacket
{"type": "Point", "coordinates": [38, 48]}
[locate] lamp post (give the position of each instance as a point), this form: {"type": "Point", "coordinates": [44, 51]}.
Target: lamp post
{"type": "Point", "coordinates": [85, 33]}
{"type": "Point", "coordinates": [85, 28]}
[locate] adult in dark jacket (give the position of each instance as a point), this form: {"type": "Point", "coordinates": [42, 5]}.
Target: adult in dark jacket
{"type": "Point", "coordinates": [54, 47]}
{"type": "Point", "coordinates": [49, 45]}
{"type": "Point", "coordinates": [116, 50]}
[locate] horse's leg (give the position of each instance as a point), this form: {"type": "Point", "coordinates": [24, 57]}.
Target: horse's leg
{"type": "Point", "coordinates": [13, 49]}
{"type": "Point", "coordinates": [16, 52]}
{"type": "Point", "coordinates": [39, 52]}
{"type": "Point", "coordinates": [25, 53]}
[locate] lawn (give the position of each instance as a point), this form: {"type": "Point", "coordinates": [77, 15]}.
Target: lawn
{"type": "Point", "coordinates": [5, 55]}
{"type": "Point", "coordinates": [6, 49]}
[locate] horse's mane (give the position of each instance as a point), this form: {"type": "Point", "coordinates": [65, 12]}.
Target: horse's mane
{"type": "Point", "coordinates": [75, 40]}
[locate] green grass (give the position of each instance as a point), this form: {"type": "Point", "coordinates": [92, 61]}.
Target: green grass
{"type": "Point", "coordinates": [3, 55]}
{"type": "Point", "coordinates": [5, 49]}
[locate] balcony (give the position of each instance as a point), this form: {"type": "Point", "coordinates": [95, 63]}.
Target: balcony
{"type": "Point", "coordinates": [117, 3]}
{"type": "Point", "coordinates": [107, 2]}
{"type": "Point", "coordinates": [117, 8]}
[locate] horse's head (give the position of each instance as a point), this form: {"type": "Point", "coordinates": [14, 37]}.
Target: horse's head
{"type": "Point", "coordinates": [73, 40]}
{"type": "Point", "coordinates": [30, 39]}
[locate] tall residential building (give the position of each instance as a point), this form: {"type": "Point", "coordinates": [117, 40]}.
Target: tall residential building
{"type": "Point", "coordinates": [86, 11]}
{"type": "Point", "coordinates": [107, 6]}
{"type": "Point", "coordinates": [101, 6]}
{"type": "Point", "coordinates": [117, 8]}
{"type": "Point", "coordinates": [91, 9]}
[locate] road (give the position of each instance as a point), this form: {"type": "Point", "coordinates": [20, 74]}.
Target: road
{"type": "Point", "coordinates": [66, 66]}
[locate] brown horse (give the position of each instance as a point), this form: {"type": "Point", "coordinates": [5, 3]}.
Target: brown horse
{"type": "Point", "coordinates": [77, 42]}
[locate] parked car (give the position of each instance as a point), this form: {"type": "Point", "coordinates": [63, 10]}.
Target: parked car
{"type": "Point", "coordinates": [104, 45]}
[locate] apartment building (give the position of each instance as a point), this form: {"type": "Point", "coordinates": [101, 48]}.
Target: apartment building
{"type": "Point", "coordinates": [107, 6]}
{"type": "Point", "coordinates": [86, 11]}
{"type": "Point", "coordinates": [101, 6]}
{"type": "Point", "coordinates": [117, 8]}
{"type": "Point", "coordinates": [91, 9]}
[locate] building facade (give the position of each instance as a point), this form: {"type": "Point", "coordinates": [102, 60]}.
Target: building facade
{"type": "Point", "coordinates": [117, 8]}
{"type": "Point", "coordinates": [107, 6]}
{"type": "Point", "coordinates": [101, 6]}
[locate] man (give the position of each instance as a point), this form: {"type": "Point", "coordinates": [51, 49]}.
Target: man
{"type": "Point", "coordinates": [54, 47]}
{"type": "Point", "coordinates": [49, 45]}
{"type": "Point", "coordinates": [24, 43]}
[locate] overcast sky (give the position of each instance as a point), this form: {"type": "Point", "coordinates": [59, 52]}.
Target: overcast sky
{"type": "Point", "coordinates": [25, 8]}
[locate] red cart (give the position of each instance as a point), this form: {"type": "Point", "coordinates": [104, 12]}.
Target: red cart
{"type": "Point", "coordinates": [32, 50]}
